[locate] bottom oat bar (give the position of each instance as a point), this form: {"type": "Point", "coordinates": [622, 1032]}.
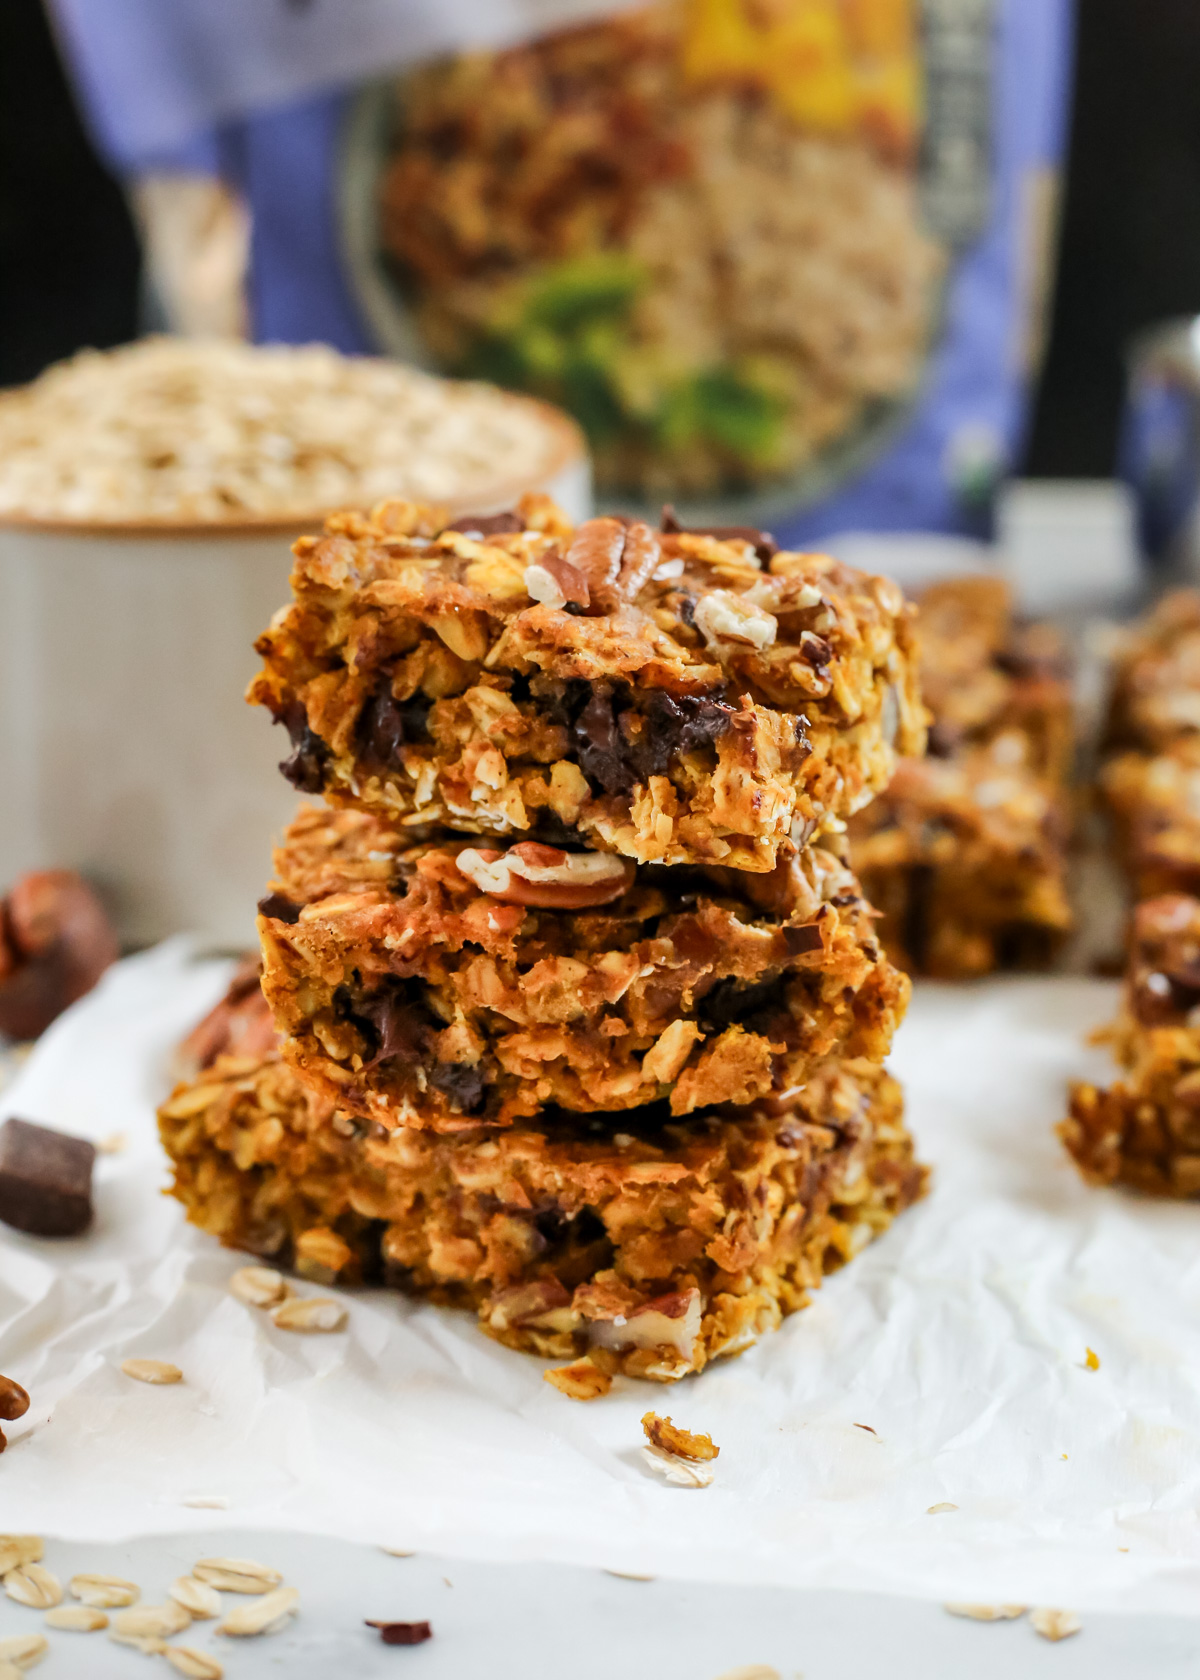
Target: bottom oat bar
{"type": "Point", "coordinates": [1144, 1129]}
{"type": "Point", "coordinates": [656, 1244]}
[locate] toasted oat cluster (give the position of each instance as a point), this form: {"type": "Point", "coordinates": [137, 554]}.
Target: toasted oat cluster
{"type": "Point", "coordinates": [671, 696]}
{"type": "Point", "coordinates": [441, 984]}
{"type": "Point", "coordinates": [965, 853]}
{"type": "Point", "coordinates": [1156, 679]}
{"type": "Point", "coordinates": [650, 1243]}
{"type": "Point", "coordinates": [1144, 1130]}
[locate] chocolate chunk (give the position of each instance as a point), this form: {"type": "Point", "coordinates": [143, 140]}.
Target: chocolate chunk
{"type": "Point", "coordinates": [279, 908]}
{"type": "Point", "coordinates": [488, 524]}
{"type": "Point", "coordinates": [676, 726]}
{"type": "Point", "coordinates": [460, 1082]}
{"type": "Point", "coordinates": [403, 1633]}
{"type": "Point", "coordinates": [944, 738]}
{"type": "Point", "coordinates": [734, 1003]}
{"type": "Point", "coordinates": [398, 1019]}
{"type": "Point", "coordinates": [45, 1180]}
{"type": "Point", "coordinates": [305, 768]}
{"type": "Point", "coordinates": [386, 724]}
{"type": "Point", "coordinates": [764, 543]}
{"type": "Point", "coordinates": [799, 940]}
{"type": "Point", "coordinates": [603, 749]}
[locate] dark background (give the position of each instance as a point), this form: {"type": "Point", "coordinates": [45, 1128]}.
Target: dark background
{"type": "Point", "coordinates": [1129, 245]}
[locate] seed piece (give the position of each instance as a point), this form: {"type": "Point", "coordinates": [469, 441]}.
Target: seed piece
{"type": "Point", "coordinates": [34, 1586]}
{"type": "Point", "coordinates": [76, 1618]}
{"type": "Point", "coordinates": [151, 1371]}
{"type": "Point", "coordinates": [403, 1633]}
{"type": "Point", "coordinates": [152, 1621]}
{"type": "Point", "coordinates": [104, 1592]}
{"type": "Point", "coordinates": [1055, 1624]}
{"type": "Point", "coordinates": [22, 1650]}
{"type": "Point", "coordinates": [265, 1615]}
{"type": "Point", "coordinates": [987, 1612]}
{"type": "Point", "coordinates": [240, 1575]}
{"type": "Point", "coordinates": [258, 1286]}
{"type": "Point", "coordinates": [198, 1598]}
{"type": "Point", "coordinates": [16, 1549]}
{"type": "Point", "coordinates": [684, 1472]}
{"type": "Point", "coordinates": [197, 1665]}
{"type": "Point", "coordinates": [661, 1432]}
{"type": "Point", "coordinates": [310, 1314]}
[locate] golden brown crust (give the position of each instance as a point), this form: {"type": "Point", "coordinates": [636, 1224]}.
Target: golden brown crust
{"type": "Point", "coordinates": [656, 1243]}
{"type": "Point", "coordinates": [1156, 676]}
{"type": "Point", "coordinates": [686, 706]}
{"type": "Point", "coordinates": [410, 998]}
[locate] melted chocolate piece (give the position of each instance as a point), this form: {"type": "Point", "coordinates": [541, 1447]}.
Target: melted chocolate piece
{"type": "Point", "coordinates": [602, 748]}
{"type": "Point", "coordinates": [733, 1003]}
{"type": "Point", "coordinates": [764, 543]}
{"type": "Point", "coordinates": [616, 755]}
{"type": "Point", "coordinates": [460, 1083]}
{"type": "Point", "coordinates": [800, 940]}
{"type": "Point", "coordinates": [677, 726]}
{"type": "Point", "coordinates": [386, 725]}
{"type": "Point", "coordinates": [403, 1633]}
{"type": "Point", "coordinates": [305, 768]}
{"type": "Point", "coordinates": [488, 524]}
{"type": "Point", "coordinates": [280, 909]}
{"type": "Point", "coordinates": [398, 1020]}
{"type": "Point", "coordinates": [45, 1180]}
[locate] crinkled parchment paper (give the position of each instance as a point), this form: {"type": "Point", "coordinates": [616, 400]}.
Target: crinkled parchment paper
{"type": "Point", "coordinates": [960, 1341]}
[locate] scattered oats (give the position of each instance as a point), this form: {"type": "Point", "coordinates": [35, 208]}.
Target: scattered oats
{"type": "Point", "coordinates": [310, 1314]}
{"type": "Point", "coordinates": [34, 1586]}
{"type": "Point", "coordinates": [197, 1665]}
{"type": "Point", "coordinates": [258, 1286]}
{"type": "Point", "coordinates": [684, 1472]}
{"type": "Point", "coordinates": [151, 1621]}
{"type": "Point", "coordinates": [1092, 1362]}
{"type": "Point", "coordinates": [1055, 1624]}
{"type": "Point", "coordinates": [987, 1612]}
{"type": "Point", "coordinates": [113, 1144]}
{"type": "Point", "coordinates": [16, 1549]}
{"type": "Point", "coordinates": [148, 1644]}
{"type": "Point", "coordinates": [394, 1551]}
{"type": "Point", "coordinates": [268, 1614]}
{"type": "Point", "coordinates": [240, 1575]}
{"type": "Point", "coordinates": [206, 1501]}
{"type": "Point", "coordinates": [936, 1510]}
{"type": "Point", "coordinates": [9, 1671]}
{"type": "Point", "coordinates": [104, 1592]}
{"type": "Point", "coordinates": [751, 1671]}
{"type": "Point", "coordinates": [198, 1598]}
{"type": "Point", "coordinates": [23, 1650]}
{"type": "Point", "coordinates": [628, 1575]}
{"type": "Point", "coordinates": [76, 1618]}
{"type": "Point", "coordinates": [151, 1370]}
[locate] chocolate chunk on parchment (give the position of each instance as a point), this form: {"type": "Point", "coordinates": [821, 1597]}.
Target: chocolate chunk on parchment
{"type": "Point", "coordinates": [403, 1633]}
{"type": "Point", "coordinates": [45, 1180]}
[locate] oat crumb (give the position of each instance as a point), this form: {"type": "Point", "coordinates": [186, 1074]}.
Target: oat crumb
{"type": "Point", "coordinates": [1055, 1624]}
{"type": "Point", "coordinates": [936, 1510]}
{"type": "Point", "coordinates": [661, 1432]}
{"type": "Point", "coordinates": [582, 1380]}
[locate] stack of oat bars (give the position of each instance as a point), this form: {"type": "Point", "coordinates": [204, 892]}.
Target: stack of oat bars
{"type": "Point", "coordinates": [965, 854]}
{"type": "Point", "coordinates": [580, 1012]}
{"type": "Point", "coordinates": [1144, 1129]}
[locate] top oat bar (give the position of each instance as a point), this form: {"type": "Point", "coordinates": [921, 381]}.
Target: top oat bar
{"type": "Point", "coordinates": [674, 696]}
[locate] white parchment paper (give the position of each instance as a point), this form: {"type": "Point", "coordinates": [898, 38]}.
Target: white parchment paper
{"type": "Point", "coordinates": [960, 1341]}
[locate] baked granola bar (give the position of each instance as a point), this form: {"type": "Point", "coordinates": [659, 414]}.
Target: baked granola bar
{"type": "Point", "coordinates": [1154, 802]}
{"type": "Point", "coordinates": [1156, 676]}
{"type": "Point", "coordinates": [655, 1244]}
{"type": "Point", "coordinates": [441, 984]}
{"type": "Point", "coordinates": [672, 696]}
{"type": "Point", "coordinates": [964, 854]}
{"type": "Point", "coordinates": [1144, 1130]}
{"type": "Point", "coordinates": [964, 858]}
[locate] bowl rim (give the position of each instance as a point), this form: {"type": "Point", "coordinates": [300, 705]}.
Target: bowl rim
{"type": "Point", "coordinates": [566, 447]}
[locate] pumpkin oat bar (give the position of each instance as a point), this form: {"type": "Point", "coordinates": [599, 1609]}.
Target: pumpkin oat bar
{"type": "Point", "coordinates": [652, 1243]}
{"type": "Point", "coordinates": [1144, 1130]}
{"type": "Point", "coordinates": [443, 984]}
{"type": "Point", "coordinates": [671, 696]}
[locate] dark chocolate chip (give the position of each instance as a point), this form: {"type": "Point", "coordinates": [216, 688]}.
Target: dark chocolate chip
{"type": "Point", "coordinates": [764, 543]}
{"type": "Point", "coordinates": [45, 1180]}
{"type": "Point", "coordinates": [815, 651]}
{"type": "Point", "coordinates": [280, 909]}
{"type": "Point", "coordinates": [801, 939]}
{"type": "Point", "coordinates": [575, 608]}
{"type": "Point", "coordinates": [488, 524]}
{"type": "Point", "coordinates": [305, 768]}
{"type": "Point", "coordinates": [687, 610]}
{"type": "Point", "coordinates": [460, 1082]}
{"type": "Point", "coordinates": [676, 726]}
{"type": "Point", "coordinates": [734, 1003]}
{"type": "Point", "coordinates": [398, 1020]}
{"type": "Point", "coordinates": [386, 725]}
{"type": "Point", "coordinates": [944, 738]}
{"type": "Point", "coordinates": [603, 749]}
{"type": "Point", "coordinates": [403, 1633]}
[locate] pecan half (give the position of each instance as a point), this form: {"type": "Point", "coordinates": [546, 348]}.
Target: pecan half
{"type": "Point", "coordinates": [55, 943]}
{"type": "Point", "coordinates": [555, 582]}
{"type": "Point", "coordinates": [546, 878]}
{"type": "Point", "coordinates": [595, 552]}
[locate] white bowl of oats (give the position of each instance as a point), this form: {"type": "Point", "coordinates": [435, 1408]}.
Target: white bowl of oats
{"type": "Point", "coordinates": [148, 497]}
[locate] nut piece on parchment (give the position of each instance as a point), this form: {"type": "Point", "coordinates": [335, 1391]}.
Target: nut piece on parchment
{"type": "Point", "coordinates": [403, 1633]}
{"type": "Point", "coordinates": [55, 942]}
{"type": "Point", "coordinates": [45, 1180]}
{"type": "Point", "coordinates": [662, 1433]}
{"type": "Point", "coordinates": [14, 1403]}
{"type": "Point", "coordinates": [268, 1614]}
